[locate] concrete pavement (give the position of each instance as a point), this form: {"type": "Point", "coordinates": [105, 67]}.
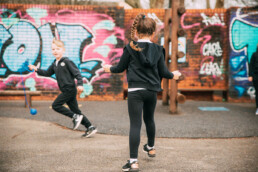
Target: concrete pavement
{"type": "Point", "coordinates": [111, 117]}
{"type": "Point", "coordinates": [36, 146]}
{"type": "Point", "coordinates": [191, 141]}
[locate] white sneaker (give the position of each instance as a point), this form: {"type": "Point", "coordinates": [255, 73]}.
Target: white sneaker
{"type": "Point", "coordinates": [90, 131]}
{"type": "Point", "coordinates": [77, 121]}
{"type": "Point", "coordinates": [256, 113]}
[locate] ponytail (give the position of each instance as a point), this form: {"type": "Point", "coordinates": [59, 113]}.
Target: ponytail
{"type": "Point", "coordinates": [133, 28]}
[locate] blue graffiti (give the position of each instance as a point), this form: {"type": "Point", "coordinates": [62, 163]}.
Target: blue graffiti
{"type": "Point", "coordinates": [243, 36]}
{"type": "Point", "coordinates": [4, 36]}
{"type": "Point", "coordinates": [8, 17]}
{"type": "Point", "coordinates": [73, 41]}
{"type": "Point", "coordinates": [89, 68]}
{"type": "Point", "coordinates": [25, 45]}
{"type": "Point", "coordinates": [243, 41]}
{"type": "Point", "coordinates": [26, 42]}
{"type": "Point", "coordinates": [238, 66]}
{"type": "Point", "coordinates": [46, 37]}
{"type": "Point", "coordinates": [240, 90]}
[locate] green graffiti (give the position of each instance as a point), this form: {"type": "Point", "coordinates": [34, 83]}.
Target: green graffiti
{"type": "Point", "coordinates": [37, 14]}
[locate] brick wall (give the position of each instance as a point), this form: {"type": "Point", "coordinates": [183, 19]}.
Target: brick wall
{"type": "Point", "coordinates": [93, 35]}
{"type": "Point", "coordinates": [205, 64]}
{"type": "Point", "coordinates": [215, 59]}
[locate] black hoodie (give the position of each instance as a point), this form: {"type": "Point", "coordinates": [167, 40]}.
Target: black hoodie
{"type": "Point", "coordinates": [145, 68]}
{"type": "Point", "coordinates": [66, 71]}
{"type": "Point", "coordinates": [253, 65]}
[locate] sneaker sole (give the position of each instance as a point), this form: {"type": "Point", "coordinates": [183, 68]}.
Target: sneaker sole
{"type": "Point", "coordinates": [92, 133]}
{"type": "Point", "coordinates": [152, 156]}
{"type": "Point", "coordinates": [78, 123]}
{"type": "Point", "coordinates": [131, 170]}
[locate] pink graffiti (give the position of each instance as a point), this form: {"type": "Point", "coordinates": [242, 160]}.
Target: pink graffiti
{"type": "Point", "coordinates": [69, 16]}
{"type": "Point", "coordinates": [40, 81]}
{"type": "Point", "coordinates": [86, 18]}
{"type": "Point", "coordinates": [89, 19]}
{"type": "Point", "coordinates": [205, 38]}
{"type": "Point", "coordinates": [197, 38]}
{"type": "Point", "coordinates": [189, 26]}
{"type": "Point", "coordinates": [207, 58]}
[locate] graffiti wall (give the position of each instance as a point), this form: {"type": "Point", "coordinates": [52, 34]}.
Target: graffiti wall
{"type": "Point", "coordinates": [205, 65]}
{"type": "Point", "coordinates": [243, 31]}
{"type": "Point", "coordinates": [218, 45]}
{"type": "Point", "coordinates": [92, 35]}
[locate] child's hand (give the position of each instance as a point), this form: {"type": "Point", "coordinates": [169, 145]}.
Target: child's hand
{"type": "Point", "coordinates": [177, 74]}
{"type": "Point", "coordinates": [250, 78]}
{"type": "Point", "coordinates": [32, 67]}
{"type": "Point", "coordinates": [80, 89]}
{"type": "Point", "coordinates": [107, 68]}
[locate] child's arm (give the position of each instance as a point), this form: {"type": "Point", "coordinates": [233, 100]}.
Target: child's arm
{"type": "Point", "coordinates": [75, 72]}
{"type": "Point", "coordinates": [163, 70]}
{"type": "Point", "coordinates": [48, 72]}
{"type": "Point", "coordinates": [121, 66]}
{"type": "Point", "coordinates": [32, 67]}
{"type": "Point", "coordinates": [251, 68]}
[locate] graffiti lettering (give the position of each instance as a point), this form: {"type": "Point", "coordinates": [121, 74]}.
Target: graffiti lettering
{"type": "Point", "coordinates": [154, 17]}
{"type": "Point", "coordinates": [28, 34]}
{"type": "Point", "coordinates": [212, 49]}
{"type": "Point", "coordinates": [26, 46]}
{"type": "Point", "coordinates": [210, 69]}
{"type": "Point", "coordinates": [212, 20]}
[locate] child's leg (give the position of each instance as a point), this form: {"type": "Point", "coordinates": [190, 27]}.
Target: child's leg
{"type": "Point", "coordinates": [255, 84]}
{"type": "Point", "coordinates": [57, 105]}
{"type": "Point", "coordinates": [135, 105]}
{"type": "Point", "coordinates": [148, 116]}
{"type": "Point", "coordinates": [73, 105]}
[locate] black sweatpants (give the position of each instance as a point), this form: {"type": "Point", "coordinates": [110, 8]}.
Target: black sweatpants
{"type": "Point", "coordinates": [255, 83]}
{"type": "Point", "coordinates": [69, 97]}
{"type": "Point", "coordinates": [138, 102]}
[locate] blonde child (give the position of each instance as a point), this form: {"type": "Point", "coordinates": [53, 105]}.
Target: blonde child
{"type": "Point", "coordinates": [66, 71]}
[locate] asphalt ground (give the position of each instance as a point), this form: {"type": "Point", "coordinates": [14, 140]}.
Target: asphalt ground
{"type": "Point", "coordinates": [185, 142]}
{"type": "Point", "coordinates": [111, 117]}
{"type": "Point", "coordinates": [38, 146]}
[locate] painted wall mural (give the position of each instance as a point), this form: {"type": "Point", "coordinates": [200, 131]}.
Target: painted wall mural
{"type": "Point", "coordinates": [204, 65]}
{"type": "Point", "coordinates": [92, 36]}
{"type": "Point", "coordinates": [218, 45]}
{"type": "Point", "coordinates": [243, 31]}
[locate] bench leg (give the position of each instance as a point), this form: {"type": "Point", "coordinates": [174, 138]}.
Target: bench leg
{"type": "Point", "coordinates": [28, 100]}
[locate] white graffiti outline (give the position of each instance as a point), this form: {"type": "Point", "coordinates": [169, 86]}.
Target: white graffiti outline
{"type": "Point", "coordinates": [251, 92]}
{"type": "Point", "coordinates": [238, 15]}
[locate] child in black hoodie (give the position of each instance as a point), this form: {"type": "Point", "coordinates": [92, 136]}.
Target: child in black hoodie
{"type": "Point", "coordinates": [253, 75]}
{"type": "Point", "coordinates": [66, 71]}
{"type": "Point", "coordinates": [144, 62]}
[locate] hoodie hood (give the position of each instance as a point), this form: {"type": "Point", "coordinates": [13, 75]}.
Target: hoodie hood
{"type": "Point", "coordinates": [149, 55]}
{"type": "Point", "coordinates": [62, 59]}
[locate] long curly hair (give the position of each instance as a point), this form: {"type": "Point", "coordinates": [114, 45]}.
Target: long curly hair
{"type": "Point", "coordinates": [144, 25]}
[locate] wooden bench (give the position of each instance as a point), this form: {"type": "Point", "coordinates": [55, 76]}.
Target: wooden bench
{"type": "Point", "coordinates": [29, 94]}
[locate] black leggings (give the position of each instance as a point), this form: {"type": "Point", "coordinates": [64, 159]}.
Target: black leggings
{"type": "Point", "coordinates": [255, 83]}
{"type": "Point", "coordinates": [138, 102]}
{"type": "Point", "coordinates": [69, 97]}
